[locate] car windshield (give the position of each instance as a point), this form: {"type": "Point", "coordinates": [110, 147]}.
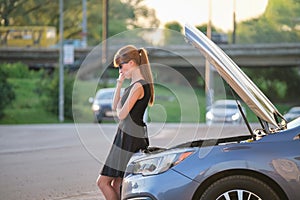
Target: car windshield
{"type": "Point", "coordinates": [225, 106]}
{"type": "Point", "coordinates": [295, 110]}
{"type": "Point", "coordinates": [104, 95]}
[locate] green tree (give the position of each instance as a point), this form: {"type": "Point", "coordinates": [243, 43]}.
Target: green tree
{"type": "Point", "coordinates": [28, 12]}
{"type": "Point", "coordinates": [141, 16]}
{"type": "Point", "coordinates": [123, 15]}
{"type": "Point", "coordinates": [7, 8]}
{"type": "Point", "coordinates": [279, 23]}
{"type": "Point", "coordinates": [6, 95]}
{"type": "Point", "coordinates": [278, 84]}
{"type": "Point", "coordinates": [171, 33]}
{"type": "Point", "coordinates": [48, 92]}
{"type": "Point", "coordinates": [175, 26]}
{"type": "Point", "coordinates": [203, 28]}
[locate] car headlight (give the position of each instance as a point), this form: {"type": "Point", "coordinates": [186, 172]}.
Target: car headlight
{"type": "Point", "coordinates": [95, 107]}
{"type": "Point", "coordinates": [235, 117]}
{"type": "Point", "coordinates": [209, 116]}
{"type": "Point", "coordinates": [159, 163]}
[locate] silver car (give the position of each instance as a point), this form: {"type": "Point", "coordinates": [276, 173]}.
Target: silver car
{"type": "Point", "coordinates": [265, 164]}
{"type": "Point", "coordinates": [225, 111]}
{"type": "Point", "coordinates": [293, 113]}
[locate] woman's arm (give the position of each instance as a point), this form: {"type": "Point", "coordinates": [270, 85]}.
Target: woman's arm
{"type": "Point", "coordinates": [117, 94]}
{"type": "Point", "coordinates": [136, 93]}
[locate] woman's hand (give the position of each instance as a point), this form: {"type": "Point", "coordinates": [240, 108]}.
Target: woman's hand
{"type": "Point", "coordinates": [136, 93]}
{"type": "Point", "coordinates": [121, 77]}
{"type": "Point", "coordinates": [117, 95]}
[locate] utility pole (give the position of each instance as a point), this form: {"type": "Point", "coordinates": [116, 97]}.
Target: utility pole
{"type": "Point", "coordinates": [234, 23]}
{"type": "Point", "coordinates": [84, 24]}
{"type": "Point", "coordinates": [61, 63]}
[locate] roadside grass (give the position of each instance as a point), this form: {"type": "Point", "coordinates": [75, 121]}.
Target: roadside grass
{"type": "Point", "coordinates": [170, 105]}
{"type": "Point", "coordinates": [173, 103]}
{"type": "Point", "coordinates": [26, 108]}
{"type": "Point", "coordinates": [82, 91]}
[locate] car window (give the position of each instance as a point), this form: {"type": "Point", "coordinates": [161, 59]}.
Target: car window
{"type": "Point", "coordinates": [105, 95]}
{"type": "Point", "coordinates": [225, 106]}
{"type": "Point", "coordinates": [295, 111]}
{"type": "Point", "coordinates": [231, 106]}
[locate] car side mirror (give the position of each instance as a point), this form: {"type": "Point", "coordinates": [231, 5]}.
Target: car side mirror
{"type": "Point", "coordinates": [91, 100]}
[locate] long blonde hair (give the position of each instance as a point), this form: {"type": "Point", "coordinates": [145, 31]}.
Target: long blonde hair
{"type": "Point", "coordinates": [140, 57]}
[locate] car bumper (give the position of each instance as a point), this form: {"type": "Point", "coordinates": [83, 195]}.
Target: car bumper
{"type": "Point", "coordinates": [223, 121]}
{"type": "Point", "coordinates": [167, 185]}
{"type": "Point", "coordinates": [105, 114]}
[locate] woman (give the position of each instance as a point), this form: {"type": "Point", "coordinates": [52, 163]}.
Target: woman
{"type": "Point", "coordinates": [131, 135]}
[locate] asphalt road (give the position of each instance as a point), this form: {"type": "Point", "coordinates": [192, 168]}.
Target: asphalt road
{"type": "Point", "coordinates": [62, 161]}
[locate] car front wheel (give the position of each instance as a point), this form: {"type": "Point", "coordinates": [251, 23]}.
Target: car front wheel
{"type": "Point", "coordinates": [239, 187]}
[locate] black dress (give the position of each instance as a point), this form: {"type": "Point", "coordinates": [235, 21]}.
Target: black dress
{"type": "Point", "coordinates": [131, 135]}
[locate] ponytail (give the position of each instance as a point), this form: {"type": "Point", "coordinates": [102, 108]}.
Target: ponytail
{"type": "Point", "coordinates": [146, 72]}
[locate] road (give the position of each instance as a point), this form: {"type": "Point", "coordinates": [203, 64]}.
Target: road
{"type": "Point", "coordinates": [62, 161]}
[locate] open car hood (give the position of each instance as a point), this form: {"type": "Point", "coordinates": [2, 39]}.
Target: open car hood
{"type": "Point", "coordinates": [236, 78]}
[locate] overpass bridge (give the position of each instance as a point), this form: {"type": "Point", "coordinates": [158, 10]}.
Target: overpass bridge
{"type": "Point", "coordinates": [250, 55]}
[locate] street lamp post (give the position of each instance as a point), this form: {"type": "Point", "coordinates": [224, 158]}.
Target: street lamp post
{"type": "Point", "coordinates": [104, 31]}
{"type": "Point", "coordinates": [61, 63]}
{"type": "Point", "coordinates": [84, 24]}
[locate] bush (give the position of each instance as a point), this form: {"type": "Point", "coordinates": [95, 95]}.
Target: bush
{"type": "Point", "coordinates": [7, 94]}
{"type": "Point", "coordinates": [49, 92]}
{"type": "Point", "coordinates": [19, 70]}
{"type": "Point", "coordinates": [279, 85]}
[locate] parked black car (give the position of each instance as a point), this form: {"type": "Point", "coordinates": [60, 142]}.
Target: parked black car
{"type": "Point", "coordinates": [102, 105]}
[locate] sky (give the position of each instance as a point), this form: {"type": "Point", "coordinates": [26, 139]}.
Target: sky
{"type": "Point", "coordinates": [196, 12]}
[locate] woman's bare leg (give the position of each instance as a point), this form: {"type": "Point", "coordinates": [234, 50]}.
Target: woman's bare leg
{"type": "Point", "coordinates": [117, 185]}
{"type": "Point", "coordinates": [105, 185]}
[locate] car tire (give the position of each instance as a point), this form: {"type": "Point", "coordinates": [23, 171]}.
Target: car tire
{"type": "Point", "coordinates": [230, 187]}
{"type": "Point", "coordinates": [97, 120]}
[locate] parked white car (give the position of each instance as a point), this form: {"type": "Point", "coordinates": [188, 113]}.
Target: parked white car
{"type": "Point", "coordinates": [292, 114]}
{"type": "Point", "coordinates": [224, 111]}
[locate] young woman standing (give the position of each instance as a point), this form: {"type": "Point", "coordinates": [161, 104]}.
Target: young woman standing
{"type": "Point", "coordinates": [131, 135]}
